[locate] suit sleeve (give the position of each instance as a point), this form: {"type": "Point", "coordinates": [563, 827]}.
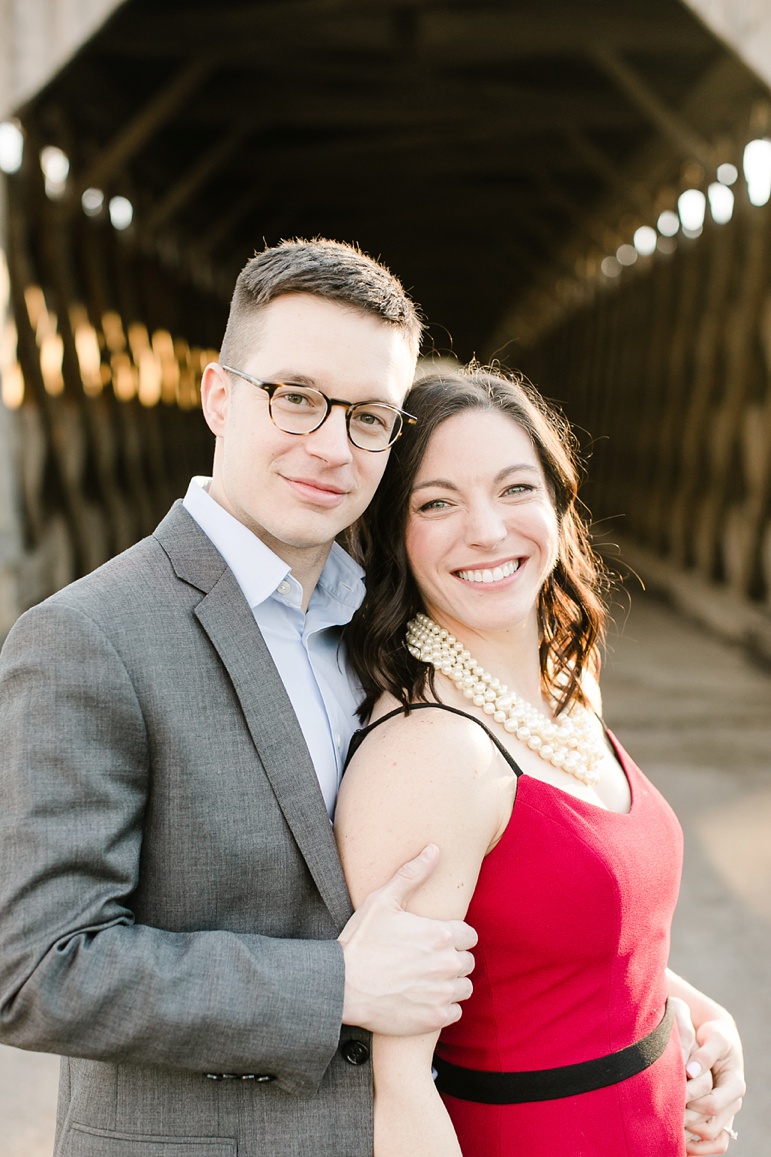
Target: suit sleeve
{"type": "Point", "coordinates": [78, 975]}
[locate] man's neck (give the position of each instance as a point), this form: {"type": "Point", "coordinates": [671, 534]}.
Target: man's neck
{"type": "Point", "coordinates": [306, 564]}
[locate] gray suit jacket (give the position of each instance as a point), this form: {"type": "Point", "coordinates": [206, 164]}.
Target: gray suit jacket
{"type": "Point", "coordinates": [170, 891]}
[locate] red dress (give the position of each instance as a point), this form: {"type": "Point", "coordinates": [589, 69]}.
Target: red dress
{"type": "Point", "coordinates": [573, 910]}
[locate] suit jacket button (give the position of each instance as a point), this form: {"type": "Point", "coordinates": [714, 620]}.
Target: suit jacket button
{"type": "Point", "coordinates": [356, 1052]}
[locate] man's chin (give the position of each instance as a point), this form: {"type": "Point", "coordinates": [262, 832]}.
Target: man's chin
{"type": "Point", "coordinates": [315, 541]}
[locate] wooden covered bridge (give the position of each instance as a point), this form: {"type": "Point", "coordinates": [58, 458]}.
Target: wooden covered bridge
{"type": "Point", "coordinates": [580, 189]}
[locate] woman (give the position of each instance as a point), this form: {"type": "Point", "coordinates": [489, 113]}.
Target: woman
{"type": "Point", "coordinates": [483, 616]}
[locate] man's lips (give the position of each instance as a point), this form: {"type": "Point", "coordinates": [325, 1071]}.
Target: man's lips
{"type": "Point", "coordinates": [320, 493]}
{"type": "Point", "coordinates": [493, 573]}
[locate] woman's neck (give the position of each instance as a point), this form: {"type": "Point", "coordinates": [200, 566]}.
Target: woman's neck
{"type": "Point", "coordinates": [511, 656]}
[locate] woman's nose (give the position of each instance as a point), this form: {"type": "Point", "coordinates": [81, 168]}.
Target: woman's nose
{"type": "Point", "coordinates": [486, 527]}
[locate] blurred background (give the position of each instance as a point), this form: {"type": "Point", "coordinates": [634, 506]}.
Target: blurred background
{"type": "Point", "coordinates": [579, 188]}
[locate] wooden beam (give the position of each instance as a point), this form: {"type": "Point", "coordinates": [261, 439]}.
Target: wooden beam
{"type": "Point", "coordinates": [226, 222]}
{"type": "Point", "coordinates": [685, 139]}
{"type": "Point", "coordinates": [561, 29]}
{"type": "Point", "coordinates": [483, 149]}
{"type": "Point", "coordinates": [442, 106]}
{"type": "Point", "coordinates": [721, 86]}
{"type": "Point", "coordinates": [601, 164]}
{"type": "Point", "coordinates": [197, 175]}
{"type": "Point", "coordinates": [559, 197]}
{"type": "Point", "coordinates": [482, 34]}
{"type": "Point", "coordinates": [147, 121]}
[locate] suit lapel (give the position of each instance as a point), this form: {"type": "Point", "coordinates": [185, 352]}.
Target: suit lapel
{"type": "Point", "coordinates": [228, 621]}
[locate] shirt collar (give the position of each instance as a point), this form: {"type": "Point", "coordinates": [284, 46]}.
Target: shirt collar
{"type": "Point", "coordinates": [340, 589]}
{"type": "Point", "coordinates": [258, 571]}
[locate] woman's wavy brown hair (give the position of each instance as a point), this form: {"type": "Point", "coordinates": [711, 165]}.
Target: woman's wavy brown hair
{"type": "Point", "coordinates": [572, 607]}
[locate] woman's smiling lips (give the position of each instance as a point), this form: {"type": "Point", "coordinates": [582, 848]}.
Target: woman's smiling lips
{"type": "Point", "coordinates": [490, 574]}
{"type": "Point", "coordinates": [315, 492]}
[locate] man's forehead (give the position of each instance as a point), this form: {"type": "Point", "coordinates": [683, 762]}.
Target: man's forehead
{"type": "Point", "coordinates": [305, 337]}
{"type": "Point", "coordinates": [299, 309]}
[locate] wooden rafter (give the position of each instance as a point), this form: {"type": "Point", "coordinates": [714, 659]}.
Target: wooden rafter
{"type": "Point", "coordinates": [686, 139]}
{"type": "Point", "coordinates": [199, 173]}
{"type": "Point", "coordinates": [475, 32]}
{"type": "Point", "coordinates": [616, 180]}
{"type": "Point", "coordinates": [226, 222]}
{"type": "Point", "coordinates": [134, 134]}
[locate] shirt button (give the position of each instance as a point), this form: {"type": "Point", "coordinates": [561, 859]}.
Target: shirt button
{"type": "Point", "coordinates": [339, 741]}
{"type": "Point", "coordinates": [283, 587]}
{"type": "Point", "coordinates": [356, 1052]}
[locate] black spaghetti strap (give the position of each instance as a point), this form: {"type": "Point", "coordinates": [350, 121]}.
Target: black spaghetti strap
{"type": "Point", "coordinates": [359, 736]}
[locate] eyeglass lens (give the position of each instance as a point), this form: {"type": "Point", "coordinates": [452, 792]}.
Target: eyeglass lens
{"type": "Point", "coordinates": [300, 410]}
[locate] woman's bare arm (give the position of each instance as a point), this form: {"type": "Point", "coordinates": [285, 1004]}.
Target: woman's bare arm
{"type": "Point", "coordinates": [429, 778]}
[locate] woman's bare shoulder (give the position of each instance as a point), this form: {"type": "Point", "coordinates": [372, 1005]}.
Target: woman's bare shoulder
{"type": "Point", "coordinates": [428, 729]}
{"type": "Point", "coordinates": [426, 777]}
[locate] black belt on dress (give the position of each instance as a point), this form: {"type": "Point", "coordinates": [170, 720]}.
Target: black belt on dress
{"type": "Point", "coordinates": [490, 1088]}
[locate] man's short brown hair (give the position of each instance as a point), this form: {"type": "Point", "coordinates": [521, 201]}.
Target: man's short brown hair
{"type": "Point", "coordinates": [327, 269]}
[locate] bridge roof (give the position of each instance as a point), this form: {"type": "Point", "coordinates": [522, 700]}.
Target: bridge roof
{"type": "Point", "coordinates": [483, 148]}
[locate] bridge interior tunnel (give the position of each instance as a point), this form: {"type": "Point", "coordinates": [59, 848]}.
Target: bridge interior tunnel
{"type": "Point", "coordinates": [520, 166]}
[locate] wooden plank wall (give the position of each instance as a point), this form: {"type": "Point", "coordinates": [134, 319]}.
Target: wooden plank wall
{"type": "Point", "coordinates": [668, 373]}
{"type": "Point", "coordinates": [100, 404]}
{"type": "Point", "coordinates": [667, 370]}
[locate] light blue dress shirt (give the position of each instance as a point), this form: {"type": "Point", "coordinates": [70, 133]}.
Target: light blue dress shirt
{"type": "Point", "coordinates": [304, 646]}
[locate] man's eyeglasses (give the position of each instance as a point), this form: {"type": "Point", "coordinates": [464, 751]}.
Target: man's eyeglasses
{"type": "Point", "coordinates": [371, 426]}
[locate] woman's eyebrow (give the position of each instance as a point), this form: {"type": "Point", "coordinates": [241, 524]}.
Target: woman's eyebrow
{"type": "Point", "coordinates": [441, 482]}
{"type": "Point", "coordinates": [447, 485]}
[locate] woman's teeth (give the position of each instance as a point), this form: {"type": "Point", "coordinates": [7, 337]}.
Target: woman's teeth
{"type": "Point", "coordinates": [489, 576]}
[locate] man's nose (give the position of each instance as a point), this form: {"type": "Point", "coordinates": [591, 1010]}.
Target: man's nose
{"type": "Point", "coordinates": [330, 441]}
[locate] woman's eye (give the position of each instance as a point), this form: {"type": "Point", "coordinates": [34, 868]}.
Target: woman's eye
{"type": "Point", "coordinates": [434, 504]}
{"type": "Point", "coordinates": [519, 488]}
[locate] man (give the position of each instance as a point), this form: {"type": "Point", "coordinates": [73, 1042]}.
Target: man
{"type": "Point", "coordinates": [174, 917]}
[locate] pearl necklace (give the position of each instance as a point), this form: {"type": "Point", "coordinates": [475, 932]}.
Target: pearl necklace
{"type": "Point", "coordinates": [570, 743]}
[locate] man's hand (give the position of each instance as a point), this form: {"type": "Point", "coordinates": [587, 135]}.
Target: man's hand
{"type": "Point", "coordinates": [404, 974]}
{"type": "Point", "coordinates": [715, 1087]}
{"type": "Point", "coordinates": [684, 1026]}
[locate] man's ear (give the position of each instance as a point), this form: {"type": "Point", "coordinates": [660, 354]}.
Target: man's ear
{"type": "Point", "coordinates": [215, 397]}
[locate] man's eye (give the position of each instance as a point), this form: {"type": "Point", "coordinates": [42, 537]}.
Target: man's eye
{"type": "Point", "coordinates": [372, 419]}
{"type": "Point", "coordinates": [292, 398]}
